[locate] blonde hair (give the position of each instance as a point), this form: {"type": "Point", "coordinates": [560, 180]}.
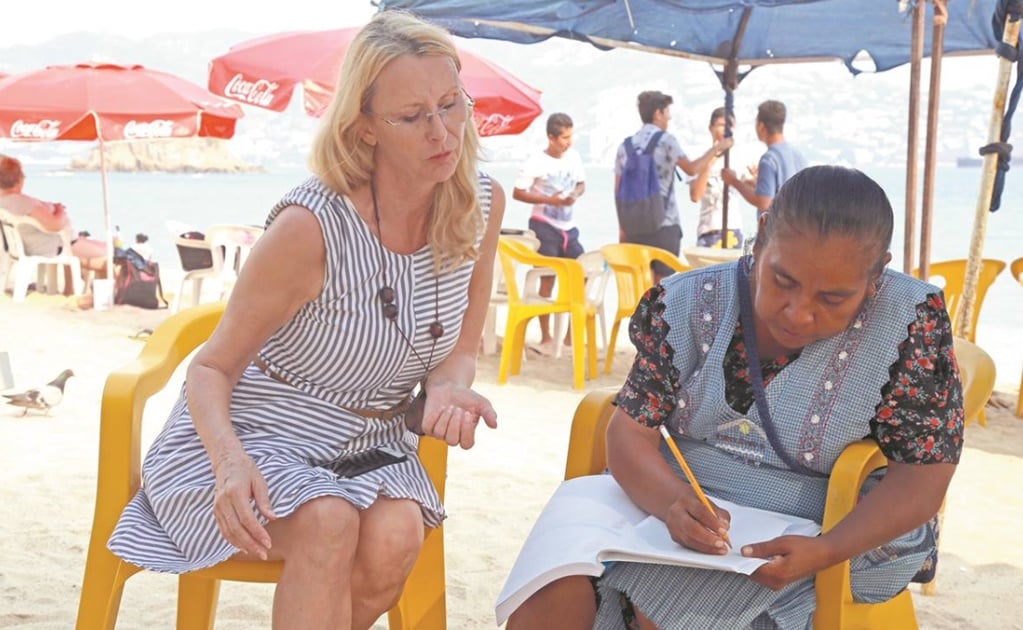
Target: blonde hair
{"type": "Point", "coordinates": [344, 162]}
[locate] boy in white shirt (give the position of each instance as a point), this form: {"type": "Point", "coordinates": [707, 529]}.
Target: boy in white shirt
{"type": "Point", "coordinates": [552, 180]}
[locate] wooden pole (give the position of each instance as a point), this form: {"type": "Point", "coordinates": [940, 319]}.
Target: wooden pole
{"type": "Point", "coordinates": [106, 207]}
{"type": "Point", "coordinates": [916, 54]}
{"type": "Point", "coordinates": [1010, 36]}
{"type": "Point", "coordinates": [931, 141]}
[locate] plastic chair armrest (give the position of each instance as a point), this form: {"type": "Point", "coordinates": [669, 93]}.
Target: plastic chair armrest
{"type": "Point", "coordinates": [856, 462]}
{"type": "Point", "coordinates": [587, 441]}
{"type": "Point", "coordinates": [128, 389]}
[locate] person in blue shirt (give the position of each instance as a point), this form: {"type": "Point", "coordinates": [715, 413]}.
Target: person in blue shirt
{"type": "Point", "coordinates": [780, 162]}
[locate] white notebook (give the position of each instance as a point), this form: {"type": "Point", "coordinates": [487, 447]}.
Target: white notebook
{"type": "Point", "coordinates": [590, 520]}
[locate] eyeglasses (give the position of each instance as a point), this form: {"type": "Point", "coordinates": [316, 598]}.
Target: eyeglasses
{"type": "Point", "coordinates": [454, 112]}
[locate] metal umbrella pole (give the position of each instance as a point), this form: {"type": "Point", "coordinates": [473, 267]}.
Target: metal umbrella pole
{"type": "Point", "coordinates": [1010, 37]}
{"type": "Point", "coordinates": [931, 140]}
{"type": "Point", "coordinates": [916, 52]}
{"type": "Point", "coordinates": [730, 81]}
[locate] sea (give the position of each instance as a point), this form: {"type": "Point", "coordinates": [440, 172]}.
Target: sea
{"type": "Point", "coordinates": [163, 204]}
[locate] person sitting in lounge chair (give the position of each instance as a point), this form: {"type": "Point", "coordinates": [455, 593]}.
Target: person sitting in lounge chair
{"type": "Point", "coordinates": [52, 218]}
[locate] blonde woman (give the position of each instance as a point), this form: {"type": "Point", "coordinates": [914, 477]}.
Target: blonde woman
{"type": "Point", "coordinates": [295, 436]}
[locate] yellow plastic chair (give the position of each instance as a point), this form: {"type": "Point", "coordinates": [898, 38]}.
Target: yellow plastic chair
{"type": "Point", "coordinates": [1016, 267]}
{"type": "Point", "coordinates": [977, 372]}
{"type": "Point", "coordinates": [836, 609]}
{"type": "Point", "coordinates": [950, 275]}
{"type": "Point", "coordinates": [499, 292]}
{"type": "Point", "coordinates": [630, 263]}
{"type": "Point", "coordinates": [422, 604]}
{"type": "Point", "coordinates": [569, 297]}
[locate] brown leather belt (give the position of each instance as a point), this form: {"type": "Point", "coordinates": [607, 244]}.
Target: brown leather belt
{"type": "Point", "coordinates": [372, 414]}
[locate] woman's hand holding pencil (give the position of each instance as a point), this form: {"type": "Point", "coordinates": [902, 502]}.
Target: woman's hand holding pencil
{"type": "Point", "coordinates": [693, 520]}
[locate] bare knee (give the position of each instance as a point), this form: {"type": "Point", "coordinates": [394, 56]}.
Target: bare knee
{"type": "Point", "coordinates": [568, 603]}
{"type": "Point", "coordinates": [323, 531]}
{"type": "Point", "coordinates": [390, 537]}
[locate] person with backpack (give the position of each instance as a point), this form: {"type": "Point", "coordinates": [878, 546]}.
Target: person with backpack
{"type": "Point", "coordinates": [645, 179]}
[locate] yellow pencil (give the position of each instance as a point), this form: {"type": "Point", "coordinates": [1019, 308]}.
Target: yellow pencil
{"type": "Point", "coordinates": [690, 476]}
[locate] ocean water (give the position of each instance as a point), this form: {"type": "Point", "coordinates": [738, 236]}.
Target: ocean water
{"type": "Point", "coordinates": [144, 202]}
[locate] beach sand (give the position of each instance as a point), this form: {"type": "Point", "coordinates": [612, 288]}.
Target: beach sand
{"type": "Point", "coordinates": [494, 491]}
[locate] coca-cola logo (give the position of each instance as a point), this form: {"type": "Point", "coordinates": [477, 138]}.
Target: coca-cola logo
{"type": "Point", "coordinates": [159, 128]}
{"type": "Point", "coordinates": [259, 92]}
{"type": "Point", "coordinates": [42, 130]}
{"type": "Point", "coordinates": [491, 124]}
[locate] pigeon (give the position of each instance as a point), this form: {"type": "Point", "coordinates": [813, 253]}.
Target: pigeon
{"type": "Point", "coordinates": [41, 398]}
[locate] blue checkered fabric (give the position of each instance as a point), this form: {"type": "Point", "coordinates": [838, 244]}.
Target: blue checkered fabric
{"type": "Point", "coordinates": [820, 403]}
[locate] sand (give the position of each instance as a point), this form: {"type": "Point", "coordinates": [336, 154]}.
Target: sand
{"type": "Point", "coordinates": [494, 492]}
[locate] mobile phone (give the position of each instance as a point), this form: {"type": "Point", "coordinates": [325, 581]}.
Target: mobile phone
{"type": "Point", "coordinates": [362, 463]}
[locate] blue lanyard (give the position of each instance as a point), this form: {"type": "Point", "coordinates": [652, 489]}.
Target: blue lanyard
{"type": "Point", "coordinates": [749, 334]}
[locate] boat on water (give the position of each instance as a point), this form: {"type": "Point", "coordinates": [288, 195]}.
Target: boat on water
{"type": "Point", "coordinates": [967, 162]}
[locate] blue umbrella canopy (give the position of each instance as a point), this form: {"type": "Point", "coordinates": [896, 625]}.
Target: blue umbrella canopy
{"type": "Point", "coordinates": [745, 32]}
{"type": "Point", "coordinates": [730, 33]}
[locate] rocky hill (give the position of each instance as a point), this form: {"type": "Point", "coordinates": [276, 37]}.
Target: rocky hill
{"type": "Point", "coordinates": [171, 155]}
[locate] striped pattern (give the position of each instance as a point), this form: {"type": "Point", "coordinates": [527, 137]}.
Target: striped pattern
{"type": "Point", "coordinates": [338, 350]}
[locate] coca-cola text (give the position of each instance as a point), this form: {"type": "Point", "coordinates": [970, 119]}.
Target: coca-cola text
{"type": "Point", "coordinates": [259, 92]}
{"type": "Point", "coordinates": [159, 128]}
{"type": "Point", "coordinates": [42, 130]}
{"type": "Point", "coordinates": [492, 124]}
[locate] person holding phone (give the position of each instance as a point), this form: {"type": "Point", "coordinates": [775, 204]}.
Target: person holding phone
{"type": "Point", "coordinates": [552, 181]}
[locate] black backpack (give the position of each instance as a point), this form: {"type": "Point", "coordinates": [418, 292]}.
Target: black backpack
{"type": "Point", "coordinates": [138, 281]}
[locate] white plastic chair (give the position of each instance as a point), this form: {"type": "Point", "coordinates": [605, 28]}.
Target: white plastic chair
{"type": "Point", "coordinates": [598, 274]}
{"type": "Point", "coordinates": [499, 293]}
{"type": "Point", "coordinates": [23, 268]}
{"type": "Point", "coordinates": [229, 248]}
{"type": "Point", "coordinates": [706, 256]}
{"type": "Point", "coordinates": [192, 277]}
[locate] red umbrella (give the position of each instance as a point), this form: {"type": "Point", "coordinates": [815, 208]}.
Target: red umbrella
{"type": "Point", "coordinates": [108, 102]}
{"type": "Point", "coordinates": [264, 72]}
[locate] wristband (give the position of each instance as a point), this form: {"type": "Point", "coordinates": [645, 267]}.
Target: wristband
{"type": "Point", "coordinates": [414, 414]}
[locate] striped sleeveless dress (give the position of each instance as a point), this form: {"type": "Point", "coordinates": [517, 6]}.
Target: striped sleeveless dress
{"type": "Point", "coordinates": [338, 351]}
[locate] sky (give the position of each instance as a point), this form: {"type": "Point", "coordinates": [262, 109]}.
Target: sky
{"type": "Point", "coordinates": [37, 22]}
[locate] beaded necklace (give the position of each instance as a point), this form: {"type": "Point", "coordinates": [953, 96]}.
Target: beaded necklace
{"type": "Point", "coordinates": [387, 296]}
